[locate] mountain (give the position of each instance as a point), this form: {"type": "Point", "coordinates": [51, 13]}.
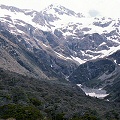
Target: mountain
{"type": "Point", "coordinates": [39, 46]}
{"type": "Point", "coordinates": [100, 73]}
{"type": "Point", "coordinates": [55, 41]}
{"type": "Point", "coordinates": [41, 61]}
{"type": "Point", "coordinates": [101, 68]}
{"type": "Point", "coordinates": [77, 35]}
{"type": "Point", "coordinates": [43, 55]}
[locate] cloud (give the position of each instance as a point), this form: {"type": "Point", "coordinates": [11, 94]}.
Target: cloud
{"type": "Point", "coordinates": [94, 13]}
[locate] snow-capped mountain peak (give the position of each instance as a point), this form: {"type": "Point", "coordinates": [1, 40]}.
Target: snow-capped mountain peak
{"type": "Point", "coordinates": [61, 10]}
{"type": "Point", "coordinates": [82, 38]}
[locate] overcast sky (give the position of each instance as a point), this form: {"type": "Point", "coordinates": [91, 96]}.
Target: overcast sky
{"type": "Point", "coordinates": [93, 7]}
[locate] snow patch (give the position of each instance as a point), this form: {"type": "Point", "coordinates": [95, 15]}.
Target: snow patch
{"type": "Point", "coordinates": [99, 93]}
{"type": "Point", "coordinates": [62, 56]}
{"type": "Point", "coordinates": [115, 61]}
{"type": "Point", "coordinates": [45, 45]}
{"type": "Point", "coordinates": [78, 60]}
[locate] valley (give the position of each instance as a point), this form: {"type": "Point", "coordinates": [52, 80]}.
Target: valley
{"type": "Point", "coordinates": [57, 64]}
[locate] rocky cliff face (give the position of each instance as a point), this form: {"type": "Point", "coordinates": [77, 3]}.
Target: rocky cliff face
{"type": "Point", "coordinates": [92, 70]}
{"type": "Point", "coordinates": [97, 70]}
{"type": "Point", "coordinates": [41, 61]}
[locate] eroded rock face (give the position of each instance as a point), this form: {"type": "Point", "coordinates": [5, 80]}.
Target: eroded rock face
{"type": "Point", "coordinates": [39, 61]}
{"type": "Point", "coordinates": [116, 57]}
{"type": "Point", "coordinates": [92, 70]}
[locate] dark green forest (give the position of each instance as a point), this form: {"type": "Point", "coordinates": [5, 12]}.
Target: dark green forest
{"type": "Point", "coordinates": [26, 98]}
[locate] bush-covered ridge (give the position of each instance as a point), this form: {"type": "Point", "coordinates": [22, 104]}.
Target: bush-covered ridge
{"type": "Point", "coordinates": [49, 100]}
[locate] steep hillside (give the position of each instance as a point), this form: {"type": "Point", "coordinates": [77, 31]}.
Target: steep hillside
{"type": "Point", "coordinates": [40, 62]}
{"type": "Point", "coordinates": [114, 89]}
{"type": "Point", "coordinates": [100, 73]}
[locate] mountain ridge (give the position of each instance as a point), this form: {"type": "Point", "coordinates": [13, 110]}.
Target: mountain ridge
{"type": "Point", "coordinates": [73, 42]}
{"type": "Point", "coordinates": [75, 30]}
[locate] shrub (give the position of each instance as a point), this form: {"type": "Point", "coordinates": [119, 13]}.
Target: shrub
{"type": "Point", "coordinates": [20, 112]}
